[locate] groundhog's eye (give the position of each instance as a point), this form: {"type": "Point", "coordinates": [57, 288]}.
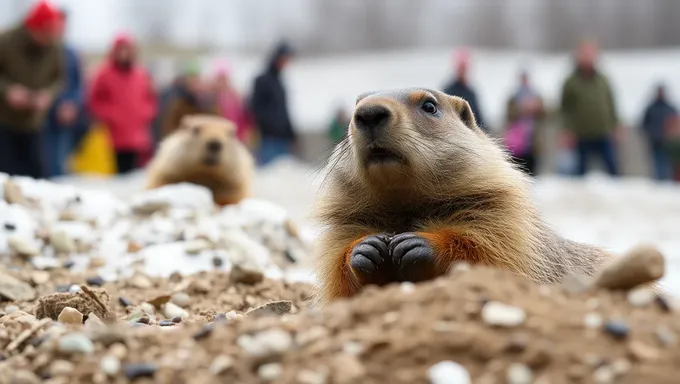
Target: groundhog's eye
{"type": "Point", "coordinates": [429, 107]}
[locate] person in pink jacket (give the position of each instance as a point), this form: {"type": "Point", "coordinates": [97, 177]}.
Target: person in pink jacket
{"type": "Point", "coordinates": [122, 97]}
{"type": "Point", "coordinates": [230, 103]}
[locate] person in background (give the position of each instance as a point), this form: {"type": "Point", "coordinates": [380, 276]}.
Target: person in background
{"type": "Point", "coordinates": [338, 126]}
{"type": "Point", "coordinates": [270, 109]}
{"type": "Point", "coordinates": [525, 113]}
{"type": "Point", "coordinates": [655, 126]}
{"type": "Point", "coordinates": [460, 86]}
{"type": "Point", "coordinates": [31, 75]}
{"type": "Point", "coordinates": [589, 111]}
{"type": "Point", "coordinates": [122, 97]}
{"type": "Point", "coordinates": [230, 103]}
{"type": "Point", "coordinates": [191, 97]}
{"type": "Point", "coordinates": [167, 95]}
{"type": "Point", "coordinates": [65, 120]}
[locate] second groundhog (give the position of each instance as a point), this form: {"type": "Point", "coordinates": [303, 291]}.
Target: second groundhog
{"type": "Point", "coordinates": [205, 151]}
{"type": "Point", "coordinates": [416, 186]}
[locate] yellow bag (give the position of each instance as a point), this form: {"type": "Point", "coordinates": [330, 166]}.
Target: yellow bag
{"type": "Point", "coordinates": [95, 155]}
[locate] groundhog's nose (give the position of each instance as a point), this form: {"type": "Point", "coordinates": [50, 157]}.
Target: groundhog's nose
{"type": "Point", "coordinates": [214, 146]}
{"type": "Point", "coordinates": [371, 118]}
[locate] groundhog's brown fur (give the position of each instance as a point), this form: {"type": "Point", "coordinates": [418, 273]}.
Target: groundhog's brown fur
{"type": "Point", "coordinates": [204, 151]}
{"type": "Point", "coordinates": [445, 189]}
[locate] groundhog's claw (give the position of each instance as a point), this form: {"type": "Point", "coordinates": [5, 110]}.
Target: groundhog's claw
{"type": "Point", "coordinates": [412, 256]}
{"type": "Point", "coordinates": [368, 260]}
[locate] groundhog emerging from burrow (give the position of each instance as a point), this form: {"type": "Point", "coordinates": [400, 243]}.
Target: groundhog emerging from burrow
{"type": "Point", "coordinates": [204, 151]}
{"type": "Point", "coordinates": [416, 186]}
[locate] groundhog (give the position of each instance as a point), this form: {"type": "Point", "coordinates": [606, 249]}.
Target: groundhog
{"type": "Point", "coordinates": [415, 186]}
{"type": "Point", "coordinates": [204, 151]}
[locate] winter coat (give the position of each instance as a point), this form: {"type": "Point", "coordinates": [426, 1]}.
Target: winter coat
{"type": "Point", "coordinates": [181, 105]}
{"type": "Point", "coordinates": [232, 108]}
{"type": "Point", "coordinates": [36, 68]}
{"type": "Point", "coordinates": [461, 89]}
{"type": "Point", "coordinates": [656, 119]}
{"type": "Point", "coordinates": [269, 104]}
{"type": "Point", "coordinates": [125, 102]}
{"type": "Point", "coordinates": [513, 115]}
{"type": "Point", "coordinates": [588, 106]}
{"type": "Point", "coordinates": [73, 88]}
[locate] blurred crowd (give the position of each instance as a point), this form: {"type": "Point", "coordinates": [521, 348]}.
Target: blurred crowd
{"type": "Point", "coordinates": [55, 120]}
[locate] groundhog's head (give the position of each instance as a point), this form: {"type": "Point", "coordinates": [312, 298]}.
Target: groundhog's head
{"type": "Point", "coordinates": [412, 138]}
{"type": "Point", "coordinates": [211, 142]}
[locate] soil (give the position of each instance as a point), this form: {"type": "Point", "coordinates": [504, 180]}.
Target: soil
{"type": "Point", "coordinates": [394, 334]}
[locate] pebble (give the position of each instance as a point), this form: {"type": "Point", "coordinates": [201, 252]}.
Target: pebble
{"type": "Point", "coordinates": [603, 375]}
{"type": "Point", "coordinates": [118, 350]}
{"type": "Point", "coordinates": [166, 323]}
{"type": "Point", "coordinates": [621, 367]}
{"type": "Point", "coordinates": [353, 348]}
{"type": "Point", "coordinates": [61, 368]}
{"type": "Point", "coordinates": [143, 320]}
{"type": "Point", "coordinates": [23, 247]}
{"type": "Point", "coordinates": [641, 297]}
{"type": "Point", "coordinates": [642, 264]}
{"type": "Point", "coordinates": [181, 299]}
{"type": "Point", "coordinates": [519, 374]}
{"type": "Point", "coordinates": [275, 307]}
{"type": "Point", "coordinates": [407, 287]}
{"type": "Point", "coordinates": [97, 262]}
{"type": "Point", "coordinates": [665, 336]}
{"type": "Point", "coordinates": [233, 316]}
{"type": "Point", "coordinates": [270, 371]}
{"type": "Point", "coordinates": [140, 281]}
{"type": "Point", "coordinates": [136, 371]}
{"type": "Point", "coordinates": [62, 242]}
{"type": "Point", "coordinates": [221, 364]}
{"type": "Point", "coordinates": [347, 369]}
{"type": "Point", "coordinates": [40, 277]}
{"type": "Point", "coordinates": [110, 365]}
{"type": "Point", "coordinates": [96, 281]}
{"type": "Point", "coordinates": [14, 289]}
{"type": "Point", "coordinates": [75, 288]}
{"type": "Point", "coordinates": [499, 314]}
{"type": "Point", "coordinates": [642, 352]}
{"type": "Point", "coordinates": [617, 328]}
{"type": "Point", "coordinates": [203, 333]}
{"type": "Point", "coordinates": [448, 372]}
{"type": "Point", "coordinates": [10, 227]}
{"type": "Point", "coordinates": [124, 302]}
{"type": "Point", "coordinates": [11, 309]}
{"type": "Point", "coordinates": [220, 317]}
{"type": "Point", "coordinates": [70, 315]}
{"type": "Point", "coordinates": [272, 341]}
{"type": "Point", "coordinates": [177, 320]}
{"type": "Point", "coordinates": [62, 288]}
{"type": "Point", "coordinates": [217, 262]}
{"type": "Point", "coordinates": [307, 376]}
{"type": "Point", "coordinates": [592, 320]}
{"type": "Point", "coordinates": [197, 246]}
{"type": "Point", "coordinates": [171, 311]}
{"type": "Point", "coordinates": [76, 343]}
{"type": "Point", "coordinates": [244, 275]}
{"type": "Point", "coordinates": [68, 264]}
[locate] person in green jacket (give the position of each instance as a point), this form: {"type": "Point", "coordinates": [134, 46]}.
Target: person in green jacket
{"type": "Point", "coordinates": [338, 127]}
{"type": "Point", "coordinates": [589, 111]}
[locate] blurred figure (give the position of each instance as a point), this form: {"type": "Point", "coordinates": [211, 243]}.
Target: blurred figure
{"type": "Point", "coordinates": [655, 125]}
{"type": "Point", "coordinates": [31, 74]}
{"type": "Point", "coordinates": [65, 120]}
{"type": "Point", "coordinates": [673, 145]}
{"type": "Point", "coordinates": [525, 113]}
{"type": "Point", "coordinates": [460, 86]}
{"type": "Point", "coordinates": [270, 109]}
{"type": "Point", "coordinates": [190, 97]}
{"type": "Point", "coordinates": [338, 126]}
{"type": "Point", "coordinates": [589, 111]}
{"type": "Point", "coordinates": [167, 95]}
{"type": "Point", "coordinates": [230, 103]}
{"type": "Point", "coordinates": [122, 97]}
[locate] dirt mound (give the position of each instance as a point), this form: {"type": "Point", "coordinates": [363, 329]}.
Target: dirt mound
{"type": "Point", "coordinates": [483, 324]}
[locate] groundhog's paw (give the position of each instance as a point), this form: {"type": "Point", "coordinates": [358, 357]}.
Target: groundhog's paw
{"type": "Point", "coordinates": [368, 259]}
{"type": "Point", "coordinates": [412, 256]}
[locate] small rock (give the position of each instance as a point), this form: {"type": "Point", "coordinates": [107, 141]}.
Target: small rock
{"type": "Point", "coordinates": [70, 315]}
{"type": "Point", "coordinates": [519, 374]}
{"type": "Point", "coordinates": [166, 323]}
{"type": "Point", "coordinates": [499, 314]}
{"type": "Point", "coordinates": [407, 287]}
{"type": "Point", "coordinates": [23, 247]}
{"type": "Point", "coordinates": [68, 264]}
{"type": "Point", "coordinates": [642, 264]}
{"type": "Point", "coordinates": [217, 262]}
{"type": "Point", "coordinates": [143, 320]}
{"type": "Point", "coordinates": [244, 275]}
{"type": "Point", "coordinates": [642, 352]}
{"type": "Point", "coordinates": [592, 320]}
{"type": "Point", "coordinates": [200, 287]}
{"type": "Point", "coordinates": [158, 302]}
{"type": "Point", "coordinates": [110, 365]}
{"type": "Point", "coordinates": [76, 343]}
{"type": "Point", "coordinates": [617, 328]}
{"type": "Point", "coordinates": [347, 369]}
{"type": "Point", "coordinates": [197, 246]}
{"type": "Point", "coordinates": [603, 375]}
{"type": "Point", "coordinates": [517, 343]}
{"type": "Point", "coordinates": [641, 297]}
{"type": "Point", "coordinates": [665, 336]}
{"type": "Point", "coordinates": [181, 299]}
{"type": "Point", "coordinates": [14, 289]}
{"type": "Point", "coordinates": [118, 350]}
{"type": "Point", "coordinates": [220, 317]}
{"type": "Point", "coordinates": [575, 283]}
{"type": "Point", "coordinates": [272, 341]}
{"type": "Point", "coordinates": [353, 348]}
{"type": "Point", "coordinates": [274, 308]}
{"type": "Point", "coordinates": [448, 372]}
{"type": "Point", "coordinates": [221, 364]}
{"type": "Point", "coordinates": [10, 308]}
{"type": "Point", "coordinates": [63, 288]}
{"type": "Point", "coordinates": [75, 288]}
{"type": "Point", "coordinates": [171, 311]}
{"type": "Point", "coordinates": [40, 277]}
{"type": "Point", "coordinates": [93, 321]}
{"type": "Point", "coordinates": [539, 355]}
{"type": "Point", "coordinates": [306, 376]}
{"type": "Point", "coordinates": [620, 367]}
{"type": "Point", "coordinates": [124, 302]}
{"type": "Point", "coordinates": [61, 368]}
{"type": "Point", "coordinates": [177, 320]}
{"type": "Point", "coordinates": [136, 371]}
{"type": "Point", "coordinates": [203, 333]}
{"type": "Point", "coordinates": [140, 281]}
{"type": "Point", "coordinates": [96, 281]}
{"type": "Point", "coordinates": [97, 262]}
{"type": "Point", "coordinates": [62, 242]}
{"type": "Point", "coordinates": [10, 227]}
{"type": "Point", "coordinates": [270, 371]}
{"type": "Point", "coordinates": [233, 316]}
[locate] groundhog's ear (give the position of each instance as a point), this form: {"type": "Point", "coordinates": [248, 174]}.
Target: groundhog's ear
{"type": "Point", "coordinates": [363, 96]}
{"type": "Point", "coordinates": [462, 108]}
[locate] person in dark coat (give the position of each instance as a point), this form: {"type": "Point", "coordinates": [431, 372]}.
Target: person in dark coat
{"type": "Point", "coordinates": [270, 110]}
{"type": "Point", "coordinates": [460, 86]}
{"type": "Point", "coordinates": [655, 126]}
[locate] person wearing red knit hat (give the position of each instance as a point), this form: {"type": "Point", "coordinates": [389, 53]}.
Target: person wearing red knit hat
{"type": "Point", "coordinates": [32, 71]}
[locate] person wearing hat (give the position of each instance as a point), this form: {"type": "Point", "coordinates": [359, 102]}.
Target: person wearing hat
{"type": "Point", "coordinates": [270, 109]}
{"type": "Point", "coordinates": [460, 85]}
{"type": "Point", "coordinates": [32, 72]}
